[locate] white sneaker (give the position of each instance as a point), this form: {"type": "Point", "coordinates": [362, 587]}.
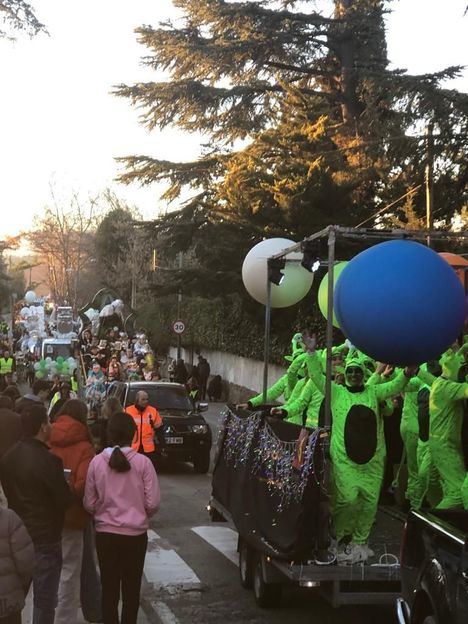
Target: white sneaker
{"type": "Point", "coordinates": [354, 553]}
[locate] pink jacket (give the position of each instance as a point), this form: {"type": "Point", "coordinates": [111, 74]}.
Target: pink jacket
{"type": "Point", "coordinates": [122, 502]}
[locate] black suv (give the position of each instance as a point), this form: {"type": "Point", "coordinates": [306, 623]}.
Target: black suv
{"type": "Point", "coordinates": [185, 435]}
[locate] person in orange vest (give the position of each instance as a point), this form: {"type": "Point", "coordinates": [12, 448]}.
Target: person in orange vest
{"type": "Point", "coordinates": [147, 419]}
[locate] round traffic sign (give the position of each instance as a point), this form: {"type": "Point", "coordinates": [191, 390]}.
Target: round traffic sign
{"type": "Point", "coordinates": [178, 327]}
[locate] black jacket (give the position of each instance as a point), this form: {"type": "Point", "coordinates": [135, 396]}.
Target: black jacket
{"type": "Point", "coordinates": [35, 487]}
{"type": "Point", "coordinates": [26, 401]}
{"type": "Point", "coordinates": [203, 369]}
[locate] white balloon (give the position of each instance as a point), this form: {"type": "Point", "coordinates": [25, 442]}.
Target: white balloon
{"type": "Point", "coordinates": [30, 296]}
{"type": "Point", "coordinates": [297, 280]}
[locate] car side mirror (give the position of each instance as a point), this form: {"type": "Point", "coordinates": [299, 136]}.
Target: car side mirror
{"type": "Point", "coordinates": [202, 407]}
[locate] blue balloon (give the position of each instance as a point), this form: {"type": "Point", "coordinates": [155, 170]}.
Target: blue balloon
{"type": "Point", "coordinates": [400, 303]}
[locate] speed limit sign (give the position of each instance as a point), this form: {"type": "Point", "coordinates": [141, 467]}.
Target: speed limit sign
{"type": "Point", "coordinates": [178, 327]}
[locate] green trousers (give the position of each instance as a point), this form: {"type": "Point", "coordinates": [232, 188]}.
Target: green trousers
{"type": "Point", "coordinates": [429, 484]}
{"type": "Point", "coordinates": [413, 487]}
{"type": "Point", "coordinates": [448, 461]}
{"type": "Point", "coordinates": [355, 496]}
{"type": "Point", "coordinates": [465, 492]}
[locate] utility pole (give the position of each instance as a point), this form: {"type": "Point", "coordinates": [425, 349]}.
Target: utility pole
{"type": "Point", "coordinates": [429, 180]}
{"type": "Point", "coordinates": [179, 307]}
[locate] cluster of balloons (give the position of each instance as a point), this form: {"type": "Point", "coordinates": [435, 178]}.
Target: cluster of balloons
{"type": "Point", "coordinates": [399, 301]}
{"type": "Point", "coordinates": [60, 366]}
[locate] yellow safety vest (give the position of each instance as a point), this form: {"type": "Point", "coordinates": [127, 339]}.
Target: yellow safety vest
{"type": "Point", "coordinates": [6, 366]}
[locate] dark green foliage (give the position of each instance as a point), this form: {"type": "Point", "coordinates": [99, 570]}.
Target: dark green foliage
{"type": "Point", "coordinates": [305, 125]}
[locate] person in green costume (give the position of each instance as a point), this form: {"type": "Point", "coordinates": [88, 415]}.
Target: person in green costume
{"type": "Point", "coordinates": [409, 430]}
{"type": "Point", "coordinates": [303, 406]}
{"type": "Point", "coordinates": [429, 484]}
{"type": "Point", "coordinates": [357, 450]}
{"type": "Point", "coordinates": [445, 430]}
{"type": "Point", "coordinates": [285, 385]}
{"type": "Point", "coordinates": [464, 493]}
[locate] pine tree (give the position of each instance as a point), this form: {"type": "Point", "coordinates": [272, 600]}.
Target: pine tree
{"type": "Point", "coordinates": [326, 131]}
{"type": "Point", "coordinates": [305, 125]}
{"type": "Point", "coordinates": [18, 15]}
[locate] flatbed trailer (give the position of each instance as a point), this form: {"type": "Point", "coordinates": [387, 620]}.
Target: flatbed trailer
{"type": "Point", "coordinates": [376, 582]}
{"type": "Point", "coordinates": [277, 515]}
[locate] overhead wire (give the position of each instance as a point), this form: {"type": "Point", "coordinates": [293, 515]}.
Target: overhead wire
{"type": "Point", "coordinates": [410, 192]}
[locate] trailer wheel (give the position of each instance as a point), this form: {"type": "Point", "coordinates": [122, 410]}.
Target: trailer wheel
{"type": "Point", "coordinates": [245, 565]}
{"type": "Point", "coordinates": [267, 595]}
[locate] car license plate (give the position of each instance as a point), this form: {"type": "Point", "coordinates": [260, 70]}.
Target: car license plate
{"type": "Point", "coordinates": [175, 440]}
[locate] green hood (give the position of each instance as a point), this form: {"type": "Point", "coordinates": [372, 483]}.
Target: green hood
{"type": "Point", "coordinates": [355, 363]}
{"type": "Point", "coordinates": [297, 347]}
{"type": "Point", "coordinates": [451, 365]}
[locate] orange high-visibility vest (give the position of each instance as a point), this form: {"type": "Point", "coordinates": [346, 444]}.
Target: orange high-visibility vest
{"type": "Point", "coordinates": [145, 423]}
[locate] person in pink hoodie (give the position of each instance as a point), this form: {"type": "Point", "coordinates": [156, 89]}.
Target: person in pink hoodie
{"type": "Point", "coordinates": [121, 493]}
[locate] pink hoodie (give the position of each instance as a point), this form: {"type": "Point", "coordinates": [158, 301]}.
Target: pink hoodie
{"type": "Point", "coordinates": [122, 502]}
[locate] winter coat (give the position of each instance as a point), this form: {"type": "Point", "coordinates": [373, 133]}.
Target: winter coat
{"type": "Point", "coordinates": [203, 369]}
{"type": "Point", "coordinates": [70, 440]}
{"type": "Point", "coordinates": [16, 562]}
{"type": "Point", "coordinates": [122, 502]}
{"type": "Point", "coordinates": [10, 429]}
{"type": "Point", "coordinates": [35, 487]}
{"type": "Point", "coordinates": [27, 401]}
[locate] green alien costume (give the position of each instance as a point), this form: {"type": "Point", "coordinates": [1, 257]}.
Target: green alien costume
{"type": "Point", "coordinates": [285, 385]}
{"type": "Point", "coordinates": [445, 432]}
{"type": "Point", "coordinates": [357, 449]}
{"type": "Point", "coordinates": [429, 485]}
{"type": "Point", "coordinates": [465, 492]}
{"type": "Point", "coordinates": [409, 430]}
{"type": "Point", "coordinates": [309, 400]}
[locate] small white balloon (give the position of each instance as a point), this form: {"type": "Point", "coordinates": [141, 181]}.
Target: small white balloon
{"type": "Point", "coordinates": [297, 280]}
{"type": "Point", "coordinates": [30, 296]}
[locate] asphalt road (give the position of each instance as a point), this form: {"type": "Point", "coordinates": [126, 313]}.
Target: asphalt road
{"type": "Point", "coordinates": [191, 572]}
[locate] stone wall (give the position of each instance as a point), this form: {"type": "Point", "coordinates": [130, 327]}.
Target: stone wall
{"type": "Point", "coordinates": [242, 377]}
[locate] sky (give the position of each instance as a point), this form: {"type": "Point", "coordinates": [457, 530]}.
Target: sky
{"type": "Point", "coordinates": [60, 125]}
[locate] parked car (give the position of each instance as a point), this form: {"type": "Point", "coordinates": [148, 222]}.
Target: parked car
{"type": "Point", "coordinates": [185, 435]}
{"type": "Point", "coordinates": [434, 568]}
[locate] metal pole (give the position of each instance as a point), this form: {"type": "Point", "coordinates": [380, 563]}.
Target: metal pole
{"type": "Point", "coordinates": [323, 554]}
{"type": "Point", "coordinates": [179, 308]}
{"type": "Point", "coordinates": [266, 352]}
{"type": "Point", "coordinates": [329, 336]}
{"type": "Point", "coordinates": [429, 181]}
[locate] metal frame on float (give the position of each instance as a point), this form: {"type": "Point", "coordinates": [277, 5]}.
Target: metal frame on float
{"type": "Point", "coordinates": [332, 233]}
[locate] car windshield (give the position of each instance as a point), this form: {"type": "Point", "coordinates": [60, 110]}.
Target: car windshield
{"type": "Point", "coordinates": [163, 397]}
{"type": "Point", "coordinates": [56, 350]}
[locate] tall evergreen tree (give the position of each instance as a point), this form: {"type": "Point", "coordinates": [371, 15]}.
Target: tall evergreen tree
{"type": "Point", "coordinates": [18, 15]}
{"type": "Point", "coordinates": [306, 124]}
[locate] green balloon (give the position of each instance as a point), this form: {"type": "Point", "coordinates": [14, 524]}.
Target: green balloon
{"type": "Point", "coordinates": [323, 291]}
{"type": "Point", "coordinates": [60, 360]}
{"type": "Point", "coordinates": [39, 374]}
{"type": "Point", "coordinates": [42, 364]}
